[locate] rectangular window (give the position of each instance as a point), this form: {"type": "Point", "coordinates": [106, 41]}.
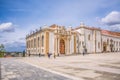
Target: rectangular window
{"type": "Point", "coordinates": [89, 37]}
{"type": "Point", "coordinates": [98, 45]}
{"type": "Point", "coordinates": [38, 41]}
{"type": "Point", "coordinates": [28, 44]}
{"type": "Point", "coordinates": [31, 43]}
{"type": "Point", "coordinates": [34, 43]}
{"type": "Point", "coordinates": [80, 43]}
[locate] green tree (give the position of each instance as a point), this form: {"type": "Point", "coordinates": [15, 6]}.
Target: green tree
{"type": "Point", "coordinates": [2, 50]}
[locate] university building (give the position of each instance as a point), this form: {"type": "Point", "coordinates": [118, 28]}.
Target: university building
{"type": "Point", "coordinates": [58, 40]}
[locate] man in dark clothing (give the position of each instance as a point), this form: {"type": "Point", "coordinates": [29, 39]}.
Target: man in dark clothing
{"type": "Point", "coordinates": [48, 55]}
{"type": "Point", "coordinates": [83, 51]}
{"type": "Point", "coordinates": [39, 55]}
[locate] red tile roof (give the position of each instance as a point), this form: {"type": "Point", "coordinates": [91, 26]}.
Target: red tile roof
{"type": "Point", "coordinates": [110, 33]}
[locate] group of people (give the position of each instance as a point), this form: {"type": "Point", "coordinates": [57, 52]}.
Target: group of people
{"type": "Point", "coordinates": [48, 54]}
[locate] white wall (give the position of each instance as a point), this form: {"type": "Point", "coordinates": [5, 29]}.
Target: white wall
{"type": "Point", "coordinates": [72, 45]}
{"type": "Point", "coordinates": [51, 42]}
{"type": "Point", "coordinates": [98, 40]}
{"type": "Point", "coordinates": [90, 44]}
{"type": "Point", "coordinates": [115, 39]}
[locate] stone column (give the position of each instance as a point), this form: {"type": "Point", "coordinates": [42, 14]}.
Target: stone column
{"type": "Point", "coordinates": [40, 43]}
{"type": "Point", "coordinates": [66, 46]}
{"type": "Point", "coordinates": [58, 46]}
{"type": "Point", "coordinates": [55, 45]}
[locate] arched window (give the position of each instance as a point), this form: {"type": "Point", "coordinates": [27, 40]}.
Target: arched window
{"type": "Point", "coordinates": [89, 37]}
{"type": "Point", "coordinates": [107, 41]}
{"type": "Point", "coordinates": [117, 43]}
{"type": "Point", "coordinates": [98, 45]}
{"type": "Point", "coordinates": [38, 41]}
{"type": "Point", "coordinates": [27, 44]}
{"type": "Point", "coordinates": [34, 43]}
{"type": "Point", "coordinates": [42, 40]}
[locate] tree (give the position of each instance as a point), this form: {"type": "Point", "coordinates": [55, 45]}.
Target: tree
{"type": "Point", "coordinates": [2, 50]}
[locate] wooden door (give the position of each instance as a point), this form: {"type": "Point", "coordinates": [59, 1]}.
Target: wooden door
{"type": "Point", "coordinates": [62, 46]}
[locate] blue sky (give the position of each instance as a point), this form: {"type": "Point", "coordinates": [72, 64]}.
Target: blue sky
{"type": "Point", "coordinates": [19, 17]}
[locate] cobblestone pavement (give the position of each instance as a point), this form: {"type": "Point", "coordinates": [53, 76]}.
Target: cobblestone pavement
{"type": "Point", "coordinates": [103, 66]}
{"type": "Point", "coordinates": [77, 67]}
{"type": "Point", "coordinates": [13, 69]}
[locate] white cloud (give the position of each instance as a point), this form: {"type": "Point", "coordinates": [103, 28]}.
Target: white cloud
{"type": "Point", "coordinates": [112, 18]}
{"type": "Point", "coordinates": [15, 46]}
{"type": "Point", "coordinates": [115, 28]}
{"type": "Point", "coordinates": [13, 41]}
{"type": "Point", "coordinates": [6, 27]}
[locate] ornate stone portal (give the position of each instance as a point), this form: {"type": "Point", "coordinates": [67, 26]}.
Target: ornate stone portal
{"type": "Point", "coordinates": [62, 40]}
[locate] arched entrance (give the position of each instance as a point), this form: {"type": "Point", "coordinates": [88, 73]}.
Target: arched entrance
{"type": "Point", "coordinates": [104, 46]}
{"type": "Point", "coordinates": [62, 46]}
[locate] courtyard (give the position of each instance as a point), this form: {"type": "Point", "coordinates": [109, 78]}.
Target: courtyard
{"type": "Point", "coordinates": [101, 66]}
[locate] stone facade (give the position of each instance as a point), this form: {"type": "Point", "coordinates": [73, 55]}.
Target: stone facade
{"type": "Point", "coordinates": [58, 40]}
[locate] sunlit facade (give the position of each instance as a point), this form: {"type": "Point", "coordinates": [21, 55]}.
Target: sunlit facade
{"type": "Point", "coordinates": [59, 40]}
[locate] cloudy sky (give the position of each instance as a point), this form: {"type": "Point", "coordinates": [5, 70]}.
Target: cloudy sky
{"type": "Point", "coordinates": [19, 17]}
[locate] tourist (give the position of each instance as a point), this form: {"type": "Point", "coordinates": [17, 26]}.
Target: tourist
{"type": "Point", "coordinates": [39, 54]}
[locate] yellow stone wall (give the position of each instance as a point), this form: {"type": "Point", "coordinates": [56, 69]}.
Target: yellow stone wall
{"type": "Point", "coordinates": [74, 43]}
{"type": "Point", "coordinates": [46, 42]}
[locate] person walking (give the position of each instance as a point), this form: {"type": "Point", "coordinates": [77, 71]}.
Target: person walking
{"type": "Point", "coordinates": [39, 54]}
{"type": "Point", "coordinates": [48, 55]}
{"type": "Point", "coordinates": [83, 51]}
{"type": "Point", "coordinates": [54, 56]}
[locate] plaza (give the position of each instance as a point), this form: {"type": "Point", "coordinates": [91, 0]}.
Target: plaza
{"type": "Point", "coordinates": [102, 66]}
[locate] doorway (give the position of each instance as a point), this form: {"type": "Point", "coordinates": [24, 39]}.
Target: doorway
{"type": "Point", "coordinates": [104, 46]}
{"type": "Point", "coordinates": [62, 46]}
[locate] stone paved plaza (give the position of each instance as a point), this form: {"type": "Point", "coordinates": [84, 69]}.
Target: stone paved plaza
{"type": "Point", "coordinates": [13, 69]}
{"type": "Point", "coordinates": [77, 67]}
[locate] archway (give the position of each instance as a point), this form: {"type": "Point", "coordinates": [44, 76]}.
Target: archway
{"type": "Point", "coordinates": [62, 46]}
{"type": "Point", "coordinates": [104, 46]}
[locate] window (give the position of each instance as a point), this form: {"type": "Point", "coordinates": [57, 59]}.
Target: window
{"type": "Point", "coordinates": [38, 41]}
{"type": "Point", "coordinates": [28, 44]}
{"type": "Point", "coordinates": [80, 43]}
{"type": "Point", "coordinates": [116, 43]}
{"type": "Point", "coordinates": [42, 40]}
{"type": "Point", "coordinates": [31, 43]}
{"type": "Point", "coordinates": [107, 41]}
{"type": "Point", "coordinates": [83, 44]}
{"type": "Point", "coordinates": [98, 45]}
{"type": "Point", "coordinates": [34, 42]}
{"type": "Point", "coordinates": [89, 37]}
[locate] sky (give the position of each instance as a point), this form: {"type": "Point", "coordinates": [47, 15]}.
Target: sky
{"type": "Point", "coordinates": [20, 17]}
